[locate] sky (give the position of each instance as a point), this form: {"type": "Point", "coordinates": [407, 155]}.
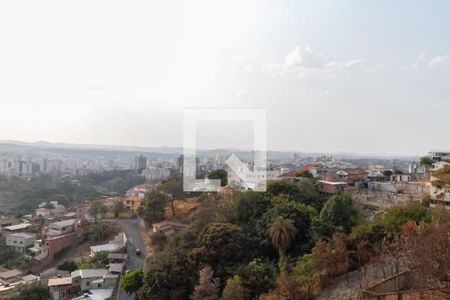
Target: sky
{"type": "Point", "coordinates": [368, 77]}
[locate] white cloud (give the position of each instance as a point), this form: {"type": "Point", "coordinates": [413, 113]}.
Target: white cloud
{"type": "Point", "coordinates": [303, 58]}
{"type": "Point", "coordinates": [420, 58]}
{"type": "Point", "coordinates": [377, 67]}
{"type": "Point", "coordinates": [303, 61]}
{"type": "Point", "coordinates": [341, 65]}
{"type": "Point", "coordinates": [423, 58]}
{"type": "Point", "coordinates": [438, 61]}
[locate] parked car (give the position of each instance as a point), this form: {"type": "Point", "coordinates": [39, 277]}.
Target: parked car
{"type": "Point", "coordinates": [138, 252]}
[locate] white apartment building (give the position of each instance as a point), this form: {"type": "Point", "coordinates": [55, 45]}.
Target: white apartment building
{"type": "Point", "coordinates": [20, 241]}
{"type": "Point", "coordinates": [439, 155]}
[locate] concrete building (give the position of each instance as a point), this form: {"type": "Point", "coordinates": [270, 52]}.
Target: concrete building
{"type": "Point", "coordinates": [132, 202]}
{"type": "Point", "coordinates": [62, 227]}
{"type": "Point", "coordinates": [20, 242]}
{"type": "Point", "coordinates": [138, 191]}
{"type": "Point", "coordinates": [439, 155]}
{"type": "Point", "coordinates": [118, 244]}
{"type": "Point", "coordinates": [16, 228]}
{"type": "Point", "coordinates": [61, 288]}
{"type": "Point", "coordinates": [332, 187]}
{"type": "Point", "coordinates": [140, 162]}
{"type": "Point", "coordinates": [87, 279]}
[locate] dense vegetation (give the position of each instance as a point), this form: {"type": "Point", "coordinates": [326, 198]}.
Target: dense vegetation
{"type": "Point", "coordinates": [23, 195]}
{"type": "Point", "coordinates": [33, 291]}
{"type": "Point", "coordinates": [289, 242]}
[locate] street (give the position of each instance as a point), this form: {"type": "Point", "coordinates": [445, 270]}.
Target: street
{"type": "Point", "coordinates": [135, 241]}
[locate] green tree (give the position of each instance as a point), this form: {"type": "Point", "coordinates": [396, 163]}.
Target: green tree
{"type": "Point", "coordinates": [249, 207]}
{"type": "Point", "coordinates": [68, 265]}
{"type": "Point", "coordinates": [33, 291]}
{"type": "Point", "coordinates": [96, 231]}
{"type": "Point", "coordinates": [132, 281]}
{"type": "Point", "coordinates": [223, 246]}
{"type": "Point", "coordinates": [305, 191]}
{"type": "Point", "coordinates": [169, 274]}
{"type": "Point", "coordinates": [282, 233]}
{"type": "Point", "coordinates": [234, 290]}
{"type": "Point", "coordinates": [302, 216]}
{"type": "Point", "coordinates": [99, 260]}
{"type": "Point", "coordinates": [387, 173]}
{"type": "Point", "coordinates": [309, 193]}
{"type": "Point", "coordinates": [395, 217]}
{"type": "Point", "coordinates": [154, 205]}
{"type": "Point", "coordinates": [338, 214]}
{"type": "Point", "coordinates": [219, 174]}
{"type": "Point", "coordinates": [426, 161]}
{"type": "Point", "coordinates": [304, 272]}
{"type": "Point", "coordinates": [258, 276]}
{"type": "Point", "coordinates": [277, 187]}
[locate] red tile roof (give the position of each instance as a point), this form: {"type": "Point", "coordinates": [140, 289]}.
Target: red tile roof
{"type": "Point", "coordinates": [355, 171]}
{"type": "Point", "coordinates": [300, 170]}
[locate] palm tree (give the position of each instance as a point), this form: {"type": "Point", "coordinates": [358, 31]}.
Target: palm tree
{"type": "Point", "coordinates": [282, 232]}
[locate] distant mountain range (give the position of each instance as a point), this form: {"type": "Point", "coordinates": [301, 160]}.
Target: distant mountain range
{"type": "Point", "coordinates": [43, 147]}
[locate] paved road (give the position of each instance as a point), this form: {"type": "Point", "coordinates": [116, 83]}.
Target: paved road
{"type": "Point", "coordinates": [135, 241]}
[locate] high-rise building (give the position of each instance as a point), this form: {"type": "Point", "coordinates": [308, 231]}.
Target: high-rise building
{"type": "Point", "coordinates": [140, 162]}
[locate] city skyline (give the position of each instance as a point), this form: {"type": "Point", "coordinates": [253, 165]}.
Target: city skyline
{"type": "Point", "coordinates": [366, 78]}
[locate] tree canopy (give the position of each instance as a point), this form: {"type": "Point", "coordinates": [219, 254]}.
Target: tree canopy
{"type": "Point", "coordinates": [338, 214]}
{"type": "Point", "coordinates": [154, 205]}
{"type": "Point", "coordinates": [219, 174]}
{"type": "Point", "coordinates": [132, 281]}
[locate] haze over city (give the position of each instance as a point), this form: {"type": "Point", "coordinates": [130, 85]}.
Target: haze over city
{"type": "Point", "coordinates": [334, 76]}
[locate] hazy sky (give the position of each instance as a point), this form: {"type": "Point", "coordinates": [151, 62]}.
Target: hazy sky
{"type": "Point", "coordinates": [357, 76]}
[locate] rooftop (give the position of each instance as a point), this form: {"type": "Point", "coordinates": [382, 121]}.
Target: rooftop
{"type": "Point", "coordinates": [30, 277]}
{"type": "Point", "coordinates": [59, 281]}
{"type": "Point", "coordinates": [22, 235]}
{"type": "Point", "coordinates": [10, 274]}
{"type": "Point", "coordinates": [302, 169]}
{"type": "Point", "coordinates": [116, 268]}
{"type": "Point", "coordinates": [89, 273]}
{"type": "Point", "coordinates": [18, 226]}
{"type": "Point", "coordinates": [63, 223]}
{"type": "Point", "coordinates": [355, 171]}
{"type": "Point", "coordinates": [95, 294]}
{"type": "Point", "coordinates": [117, 256]}
{"type": "Point", "coordinates": [106, 248]}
